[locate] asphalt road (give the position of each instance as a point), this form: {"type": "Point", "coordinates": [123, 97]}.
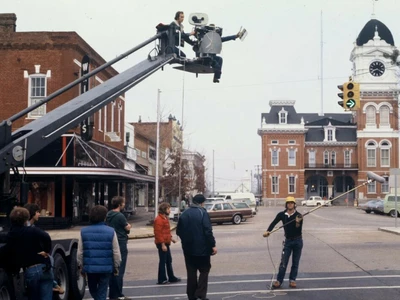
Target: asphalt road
{"type": "Point", "coordinates": [345, 256]}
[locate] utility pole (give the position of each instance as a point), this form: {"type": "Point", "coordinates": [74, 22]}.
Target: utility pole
{"type": "Point", "coordinates": [157, 155]}
{"type": "Point", "coordinates": [213, 189]}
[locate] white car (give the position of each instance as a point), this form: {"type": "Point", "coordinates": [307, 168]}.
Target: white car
{"type": "Point", "coordinates": [316, 201]}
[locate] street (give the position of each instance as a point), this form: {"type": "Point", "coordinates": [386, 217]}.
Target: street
{"type": "Point", "coordinates": [344, 256]}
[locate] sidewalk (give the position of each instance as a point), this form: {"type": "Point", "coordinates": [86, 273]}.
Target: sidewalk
{"type": "Point", "coordinates": [395, 230]}
{"type": "Point", "coordinates": [140, 228]}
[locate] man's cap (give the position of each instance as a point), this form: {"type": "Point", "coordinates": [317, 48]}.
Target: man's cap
{"type": "Point", "coordinates": [290, 199]}
{"type": "Point", "coordinates": [199, 199]}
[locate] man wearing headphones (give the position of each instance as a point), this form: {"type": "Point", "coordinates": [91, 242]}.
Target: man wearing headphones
{"type": "Point", "coordinates": [178, 27]}
{"type": "Point", "coordinates": [293, 241]}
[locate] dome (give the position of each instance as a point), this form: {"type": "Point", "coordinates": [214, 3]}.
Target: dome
{"type": "Point", "coordinates": [368, 32]}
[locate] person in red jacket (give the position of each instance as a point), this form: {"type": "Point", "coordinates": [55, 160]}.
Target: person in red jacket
{"type": "Point", "coordinates": [163, 239]}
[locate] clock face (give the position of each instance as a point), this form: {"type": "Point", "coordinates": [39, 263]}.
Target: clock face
{"type": "Point", "coordinates": [377, 68]}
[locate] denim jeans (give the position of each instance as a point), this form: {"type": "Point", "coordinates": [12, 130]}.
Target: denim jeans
{"type": "Point", "coordinates": [117, 282]}
{"type": "Point", "coordinates": [165, 262]}
{"type": "Point", "coordinates": [39, 281]}
{"type": "Point", "coordinates": [290, 246]}
{"type": "Point", "coordinates": [98, 284]}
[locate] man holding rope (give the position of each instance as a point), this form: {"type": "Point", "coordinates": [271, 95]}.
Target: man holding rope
{"type": "Point", "coordinates": [293, 224]}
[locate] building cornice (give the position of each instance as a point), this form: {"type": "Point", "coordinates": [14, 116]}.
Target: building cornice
{"type": "Point", "coordinates": [330, 144]}
{"type": "Point", "coordinates": [282, 102]}
{"type": "Point", "coordinates": [281, 130]}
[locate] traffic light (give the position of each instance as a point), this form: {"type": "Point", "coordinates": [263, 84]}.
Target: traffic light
{"type": "Point", "coordinates": [340, 95]}
{"type": "Point", "coordinates": [351, 95]}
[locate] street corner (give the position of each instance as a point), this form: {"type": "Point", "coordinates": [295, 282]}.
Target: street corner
{"type": "Point", "coordinates": [394, 230]}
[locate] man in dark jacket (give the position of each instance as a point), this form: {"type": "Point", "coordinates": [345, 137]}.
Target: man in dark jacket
{"type": "Point", "coordinates": [178, 27]}
{"type": "Point", "coordinates": [117, 220]}
{"type": "Point", "coordinates": [98, 253]}
{"type": "Point", "coordinates": [198, 244]}
{"type": "Point", "coordinates": [293, 241]}
{"type": "Point", "coordinates": [22, 250]}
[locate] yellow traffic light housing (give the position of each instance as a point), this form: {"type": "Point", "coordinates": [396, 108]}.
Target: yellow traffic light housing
{"type": "Point", "coordinates": [351, 95]}
{"type": "Point", "coordinates": [340, 95]}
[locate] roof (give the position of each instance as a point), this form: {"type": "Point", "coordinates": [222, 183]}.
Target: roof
{"type": "Point", "coordinates": [368, 33]}
{"type": "Point", "coordinates": [341, 134]}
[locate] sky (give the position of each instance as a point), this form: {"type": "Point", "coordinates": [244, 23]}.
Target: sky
{"type": "Point", "coordinates": [280, 59]}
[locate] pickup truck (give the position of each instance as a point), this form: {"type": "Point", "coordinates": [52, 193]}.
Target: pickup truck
{"type": "Point", "coordinates": [316, 201]}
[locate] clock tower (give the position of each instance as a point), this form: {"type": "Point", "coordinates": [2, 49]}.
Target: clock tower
{"type": "Point", "coordinates": [377, 117]}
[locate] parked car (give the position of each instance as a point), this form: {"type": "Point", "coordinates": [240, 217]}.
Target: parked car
{"type": "Point", "coordinates": [316, 201]}
{"type": "Point", "coordinates": [378, 207]}
{"type": "Point", "coordinates": [253, 206]}
{"type": "Point", "coordinates": [214, 199]}
{"type": "Point", "coordinates": [368, 206]}
{"type": "Point", "coordinates": [221, 212]}
{"type": "Point", "coordinates": [389, 204]}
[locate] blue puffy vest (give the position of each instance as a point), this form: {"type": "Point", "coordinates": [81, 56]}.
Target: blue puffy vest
{"type": "Point", "coordinates": [97, 248]}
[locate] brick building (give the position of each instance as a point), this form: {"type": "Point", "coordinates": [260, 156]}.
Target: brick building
{"type": "Point", "coordinates": [71, 175]}
{"type": "Point", "coordinates": [306, 154]}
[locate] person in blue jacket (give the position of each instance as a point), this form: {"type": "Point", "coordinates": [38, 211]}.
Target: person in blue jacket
{"type": "Point", "coordinates": [99, 256]}
{"type": "Point", "coordinates": [198, 244]}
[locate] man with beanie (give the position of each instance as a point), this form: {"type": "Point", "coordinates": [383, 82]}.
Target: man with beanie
{"type": "Point", "coordinates": [293, 241]}
{"type": "Point", "coordinates": [198, 244]}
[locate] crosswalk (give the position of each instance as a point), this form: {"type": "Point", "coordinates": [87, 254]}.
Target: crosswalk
{"type": "Point", "coordinates": [314, 286]}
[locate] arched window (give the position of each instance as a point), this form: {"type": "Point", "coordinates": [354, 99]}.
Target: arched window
{"type": "Point", "coordinates": [326, 158]}
{"type": "Point", "coordinates": [385, 154]}
{"type": "Point", "coordinates": [371, 154]}
{"type": "Point", "coordinates": [384, 112]}
{"type": "Point", "coordinates": [371, 115]}
{"type": "Point", "coordinates": [333, 158]}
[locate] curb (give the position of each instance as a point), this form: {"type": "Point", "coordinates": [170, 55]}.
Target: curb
{"type": "Point", "coordinates": [146, 235]}
{"type": "Point", "coordinates": [394, 231]}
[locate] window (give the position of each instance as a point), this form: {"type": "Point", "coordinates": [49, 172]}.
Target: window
{"type": "Point", "coordinates": [385, 154]}
{"type": "Point", "coordinates": [371, 115]}
{"type": "Point", "coordinates": [372, 188]}
{"type": "Point", "coordinates": [347, 158]}
{"type": "Point", "coordinates": [144, 154]}
{"type": "Point", "coordinates": [275, 158]}
{"type": "Point", "coordinates": [326, 158]}
{"type": "Point", "coordinates": [311, 158]}
{"type": "Point", "coordinates": [100, 119]}
{"type": "Point", "coordinates": [217, 207]}
{"type": "Point", "coordinates": [275, 185]}
{"type": "Point", "coordinates": [282, 117]}
{"type": "Point", "coordinates": [274, 142]}
{"type": "Point", "coordinates": [292, 142]}
{"type": "Point", "coordinates": [371, 154]}
{"type": "Point", "coordinates": [37, 92]}
{"type": "Point", "coordinates": [292, 157]}
{"type": "Point", "coordinates": [330, 135]}
{"type": "Point", "coordinates": [112, 115]}
{"type": "Point", "coordinates": [385, 187]}
{"type": "Point", "coordinates": [119, 116]}
{"type": "Point", "coordinates": [384, 112]}
{"type": "Point", "coordinates": [292, 184]}
{"type": "Point", "coordinates": [138, 152]}
{"type": "Point", "coordinates": [333, 158]}
{"type": "Point", "coordinates": [227, 206]}
{"type": "Point", "coordinates": [152, 154]}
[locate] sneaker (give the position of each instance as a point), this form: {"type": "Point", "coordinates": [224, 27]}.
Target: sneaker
{"type": "Point", "coordinates": [176, 279]}
{"type": "Point", "coordinates": [276, 285]}
{"type": "Point", "coordinates": [292, 284]}
{"type": "Point", "coordinates": [164, 282]}
{"type": "Point", "coordinates": [124, 298]}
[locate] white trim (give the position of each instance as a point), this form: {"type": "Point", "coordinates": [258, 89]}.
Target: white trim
{"type": "Point", "coordinates": [37, 69]}
{"type": "Point", "coordinates": [379, 133]}
{"type": "Point", "coordinates": [77, 62]}
{"type": "Point", "coordinates": [84, 171]}
{"type": "Point", "coordinates": [98, 79]}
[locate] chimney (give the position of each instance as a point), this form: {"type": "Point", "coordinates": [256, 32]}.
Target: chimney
{"type": "Point", "coordinates": [140, 119]}
{"type": "Point", "coordinates": [8, 23]}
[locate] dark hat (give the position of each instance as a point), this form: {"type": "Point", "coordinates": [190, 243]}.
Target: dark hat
{"type": "Point", "coordinates": [199, 199]}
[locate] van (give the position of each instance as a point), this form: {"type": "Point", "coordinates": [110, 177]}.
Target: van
{"type": "Point", "coordinates": [234, 196]}
{"type": "Point", "coordinates": [389, 205]}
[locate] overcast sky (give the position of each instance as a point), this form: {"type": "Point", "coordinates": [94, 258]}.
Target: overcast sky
{"type": "Point", "coordinates": [280, 59]}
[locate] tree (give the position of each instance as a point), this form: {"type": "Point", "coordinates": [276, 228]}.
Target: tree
{"type": "Point", "coordinates": [170, 179]}
{"type": "Point", "coordinates": [199, 180]}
